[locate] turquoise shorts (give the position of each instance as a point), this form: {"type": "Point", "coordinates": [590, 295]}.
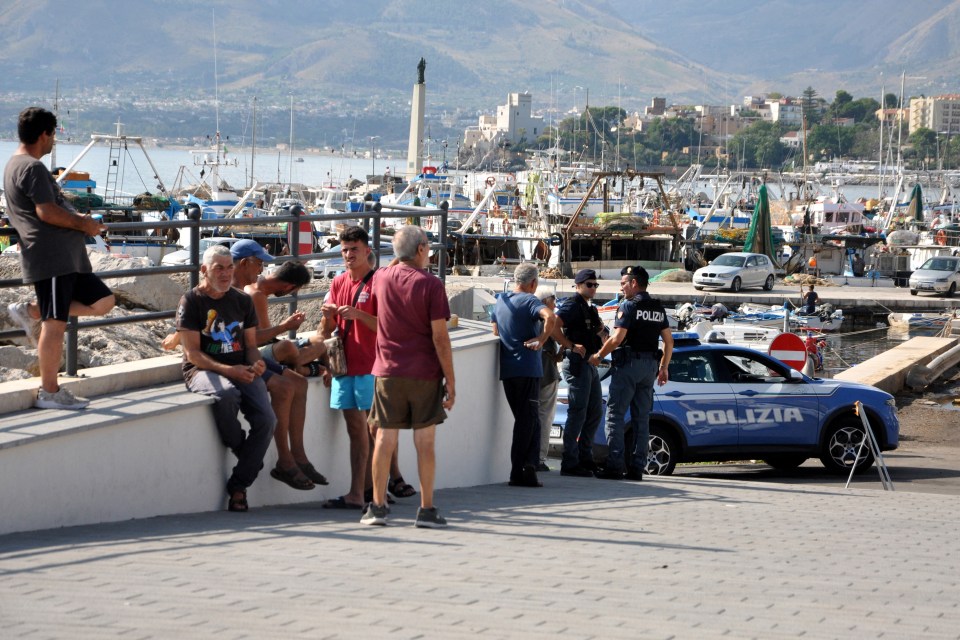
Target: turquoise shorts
{"type": "Point", "coordinates": [352, 392]}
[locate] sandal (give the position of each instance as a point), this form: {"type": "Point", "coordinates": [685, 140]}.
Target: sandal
{"type": "Point", "coordinates": [401, 489]}
{"type": "Point", "coordinates": [292, 477]}
{"type": "Point", "coordinates": [315, 476]}
{"type": "Point", "coordinates": [368, 496]}
{"type": "Point", "coordinates": [238, 503]}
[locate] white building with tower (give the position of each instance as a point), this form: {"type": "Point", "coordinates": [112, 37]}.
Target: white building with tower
{"type": "Point", "coordinates": [514, 121]}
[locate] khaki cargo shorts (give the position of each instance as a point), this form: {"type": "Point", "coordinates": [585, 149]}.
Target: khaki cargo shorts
{"type": "Point", "coordinates": [407, 403]}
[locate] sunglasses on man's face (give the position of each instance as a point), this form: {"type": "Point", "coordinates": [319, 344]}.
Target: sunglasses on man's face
{"type": "Point", "coordinates": [591, 285]}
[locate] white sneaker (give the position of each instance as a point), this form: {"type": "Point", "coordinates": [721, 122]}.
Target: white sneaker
{"type": "Point", "coordinates": [20, 314]}
{"type": "Point", "coordinates": [62, 399]}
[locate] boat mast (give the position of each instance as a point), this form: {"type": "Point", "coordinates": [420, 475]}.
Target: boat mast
{"type": "Point", "coordinates": [56, 112]}
{"type": "Point", "coordinates": [253, 143]}
{"type": "Point", "coordinates": [903, 75]}
{"type": "Point", "coordinates": [290, 181]}
{"type": "Point", "coordinates": [882, 118]}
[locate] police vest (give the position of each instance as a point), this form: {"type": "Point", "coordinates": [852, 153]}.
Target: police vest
{"type": "Point", "coordinates": [646, 321]}
{"type": "Point", "coordinates": [582, 324]}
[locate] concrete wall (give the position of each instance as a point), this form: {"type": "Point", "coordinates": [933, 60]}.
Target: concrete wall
{"type": "Point", "coordinates": [155, 451]}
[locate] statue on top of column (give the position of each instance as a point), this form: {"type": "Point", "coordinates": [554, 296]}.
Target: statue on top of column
{"type": "Point", "coordinates": [421, 67]}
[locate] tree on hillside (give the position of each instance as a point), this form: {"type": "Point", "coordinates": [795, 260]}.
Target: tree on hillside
{"type": "Point", "coordinates": [923, 143]}
{"type": "Point", "coordinates": [811, 106]}
{"type": "Point", "coordinates": [758, 146]}
{"type": "Point", "coordinates": [828, 141]}
{"type": "Point", "coordinates": [890, 101]}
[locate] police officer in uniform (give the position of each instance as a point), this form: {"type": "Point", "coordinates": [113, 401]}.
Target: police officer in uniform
{"type": "Point", "coordinates": [638, 362]}
{"type": "Point", "coordinates": [578, 333]}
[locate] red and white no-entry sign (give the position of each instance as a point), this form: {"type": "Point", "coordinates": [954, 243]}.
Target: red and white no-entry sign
{"type": "Point", "coordinates": [789, 348]}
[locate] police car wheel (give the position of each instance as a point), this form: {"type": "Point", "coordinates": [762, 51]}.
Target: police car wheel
{"type": "Point", "coordinates": [786, 461]}
{"type": "Point", "coordinates": [768, 285]}
{"type": "Point", "coordinates": [913, 292]}
{"type": "Point", "coordinates": [952, 290]}
{"type": "Point", "coordinates": [697, 287]}
{"type": "Point", "coordinates": [735, 285]}
{"type": "Point", "coordinates": [662, 452]}
{"type": "Point", "coordinates": [842, 446]}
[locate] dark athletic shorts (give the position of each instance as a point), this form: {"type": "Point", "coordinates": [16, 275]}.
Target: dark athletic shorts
{"type": "Point", "coordinates": [273, 368]}
{"type": "Point", "coordinates": [407, 403]}
{"type": "Point", "coordinates": [54, 295]}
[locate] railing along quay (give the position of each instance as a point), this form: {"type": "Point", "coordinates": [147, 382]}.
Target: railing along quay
{"type": "Point", "coordinates": [194, 222]}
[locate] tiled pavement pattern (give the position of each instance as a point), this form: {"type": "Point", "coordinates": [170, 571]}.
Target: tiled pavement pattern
{"type": "Point", "coordinates": [669, 558]}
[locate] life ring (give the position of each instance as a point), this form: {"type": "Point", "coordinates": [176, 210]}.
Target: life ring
{"type": "Point", "coordinates": [941, 237]}
{"type": "Point", "coordinates": [491, 181]}
{"type": "Point", "coordinates": [495, 212]}
{"type": "Point", "coordinates": [428, 223]}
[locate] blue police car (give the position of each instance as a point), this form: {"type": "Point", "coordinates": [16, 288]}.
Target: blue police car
{"type": "Point", "coordinates": [733, 403]}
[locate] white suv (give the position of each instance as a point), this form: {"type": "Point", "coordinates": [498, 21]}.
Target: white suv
{"type": "Point", "coordinates": [736, 270]}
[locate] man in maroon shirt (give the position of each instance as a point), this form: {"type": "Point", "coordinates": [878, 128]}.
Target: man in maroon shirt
{"type": "Point", "coordinates": [413, 369]}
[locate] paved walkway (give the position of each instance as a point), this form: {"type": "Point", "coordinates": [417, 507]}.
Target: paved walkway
{"type": "Point", "coordinates": [678, 557]}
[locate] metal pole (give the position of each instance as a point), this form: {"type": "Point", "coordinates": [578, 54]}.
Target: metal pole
{"type": "Point", "coordinates": [72, 344]}
{"type": "Point", "coordinates": [442, 258]}
{"type": "Point", "coordinates": [293, 240]}
{"type": "Point", "coordinates": [194, 214]}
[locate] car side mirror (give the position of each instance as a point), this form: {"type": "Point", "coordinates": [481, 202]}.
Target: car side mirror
{"type": "Point", "coordinates": [795, 375]}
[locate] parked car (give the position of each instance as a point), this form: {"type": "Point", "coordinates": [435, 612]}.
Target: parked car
{"type": "Point", "coordinates": [182, 256]}
{"type": "Point", "coordinates": [733, 403]}
{"type": "Point", "coordinates": [940, 274]}
{"type": "Point", "coordinates": [736, 270]}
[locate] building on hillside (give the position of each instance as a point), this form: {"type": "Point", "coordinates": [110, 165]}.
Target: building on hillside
{"type": "Point", "coordinates": [938, 113]}
{"type": "Point", "coordinates": [792, 139]}
{"type": "Point", "coordinates": [786, 110]}
{"type": "Point", "coordinates": [514, 121]}
{"type": "Point", "coordinates": [657, 107]}
{"type": "Point", "coordinates": [890, 116]}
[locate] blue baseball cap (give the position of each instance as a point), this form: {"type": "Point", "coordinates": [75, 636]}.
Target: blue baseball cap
{"type": "Point", "coordinates": [249, 249]}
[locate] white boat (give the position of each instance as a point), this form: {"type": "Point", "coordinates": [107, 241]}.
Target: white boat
{"type": "Point", "coordinates": [908, 321]}
{"type": "Point", "coordinates": [825, 319]}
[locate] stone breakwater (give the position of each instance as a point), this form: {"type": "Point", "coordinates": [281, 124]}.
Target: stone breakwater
{"type": "Point", "coordinates": [118, 343]}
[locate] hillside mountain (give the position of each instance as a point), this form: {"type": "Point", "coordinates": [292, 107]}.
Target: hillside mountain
{"type": "Point", "coordinates": [338, 52]}
{"type": "Point", "coordinates": [786, 45]}
{"type": "Point", "coordinates": [474, 51]}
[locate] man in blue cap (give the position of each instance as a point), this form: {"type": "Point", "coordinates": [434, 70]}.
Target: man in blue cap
{"type": "Point", "coordinates": [578, 333]}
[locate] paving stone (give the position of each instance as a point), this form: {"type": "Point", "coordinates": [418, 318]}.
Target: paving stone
{"type": "Point", "coordinates": [668, 558]}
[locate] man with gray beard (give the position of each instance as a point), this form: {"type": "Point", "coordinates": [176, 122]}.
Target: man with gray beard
{"type": "Point", "coordinates": [218, 332]}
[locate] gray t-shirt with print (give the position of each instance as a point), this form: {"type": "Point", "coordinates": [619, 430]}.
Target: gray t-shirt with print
{"type": "Point", "coordinates": [46, 251]}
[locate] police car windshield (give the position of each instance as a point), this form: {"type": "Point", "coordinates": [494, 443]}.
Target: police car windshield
{"type": "Point", "coordinates": [729, 261]}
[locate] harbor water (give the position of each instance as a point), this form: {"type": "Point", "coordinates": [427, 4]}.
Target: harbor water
{"type": "Point", "coordinates": [844, 350]}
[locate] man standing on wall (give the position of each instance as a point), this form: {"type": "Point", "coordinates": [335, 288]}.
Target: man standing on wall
{"type": "Point", "coordinates": [53, 255]}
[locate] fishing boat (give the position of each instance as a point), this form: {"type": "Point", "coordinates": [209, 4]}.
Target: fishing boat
{"type": "Point", "coordinates": [111, 204]}
{"type": "Point", "coordinates": [915, 321]}
{"type": "Point", "coordinates": [826, 318]}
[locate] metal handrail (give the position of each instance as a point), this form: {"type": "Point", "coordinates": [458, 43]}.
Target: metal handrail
{"type": "Point", "coordinates": [194, 223]}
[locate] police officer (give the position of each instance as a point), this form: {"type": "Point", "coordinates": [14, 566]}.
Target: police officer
{"type": "Point", "coordinates": [638, 362]}
{"type": "Point", "coordinates": [578, 333]}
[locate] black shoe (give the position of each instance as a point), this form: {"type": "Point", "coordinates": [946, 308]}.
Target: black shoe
{"type": "Point", "coordinates": [528, 478]}
{"type": "Point", "coordinates": [542, 467]}
{"type": "Point", "coordinates": [577, 471]}
{"type": "Point", "coordinates": [589, 465]}
{"type": "Point", "coordinates": [609, 474]}
{"type": "Point", "coordinates": [635, 474]}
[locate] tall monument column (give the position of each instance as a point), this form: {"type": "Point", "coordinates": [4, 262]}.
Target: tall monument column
{"type": "Point", "coordinates": [417, 105]}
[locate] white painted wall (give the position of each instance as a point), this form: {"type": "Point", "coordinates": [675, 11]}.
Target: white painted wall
{"type": "Point", "coordinates": [173, 462]}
